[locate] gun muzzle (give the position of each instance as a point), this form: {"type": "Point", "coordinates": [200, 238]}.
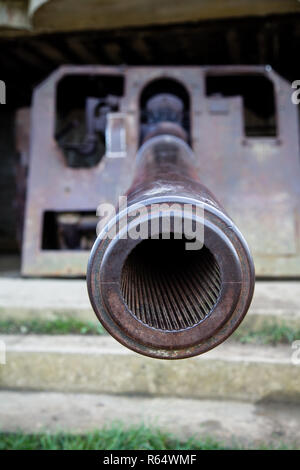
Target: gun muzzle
{"type": "Point", "coordinates": [170, 276]}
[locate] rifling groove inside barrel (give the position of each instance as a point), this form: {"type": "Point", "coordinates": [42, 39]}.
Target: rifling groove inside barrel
{"type": "Point", "coordinates": [168, 287]}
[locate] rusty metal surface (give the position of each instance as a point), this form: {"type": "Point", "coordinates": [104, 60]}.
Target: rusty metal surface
{"type": "Point", "coordinates": [22, 136]}
{"type": "Point", "coordinates": [256, 178]}
{"type": "Point", "coordinates": [154, 295]}
{"type": "Point", "coordinates": [44, 16]}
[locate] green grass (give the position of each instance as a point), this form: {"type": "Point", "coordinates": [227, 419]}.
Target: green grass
{"type": "Point", "coordinates": [119, 437]}
{"type": "Point", "coordinates": [58, 326]}
{"type": "Point", "coordinates": [267, 334]}
{"type": "Point", "coordinates": [116, 437]}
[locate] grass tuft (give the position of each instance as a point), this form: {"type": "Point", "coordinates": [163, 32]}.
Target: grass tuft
{"type": "Point", "coordinates": [116, 437]}
{"type": "Point", "coordinates": [120, 437]}
{"type": "Point", "coordinates": [58, 326]}
{"type": "Point", "coordinates": [271, 334]}
{"type": "Point", "coordinates": [267, 334]}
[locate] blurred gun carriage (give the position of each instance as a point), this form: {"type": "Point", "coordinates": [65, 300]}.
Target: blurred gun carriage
{"type": "Point", "coordinates": [168, 134]}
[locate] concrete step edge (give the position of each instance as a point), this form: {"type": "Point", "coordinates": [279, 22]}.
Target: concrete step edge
{"type": "Point", "coordinates": [101, 365]}
{"type": "Point", "coordinates": [275, 302]}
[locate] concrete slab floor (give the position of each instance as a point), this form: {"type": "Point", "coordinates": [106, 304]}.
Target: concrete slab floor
{"type": "Point", "coordinates": [229, 422]}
